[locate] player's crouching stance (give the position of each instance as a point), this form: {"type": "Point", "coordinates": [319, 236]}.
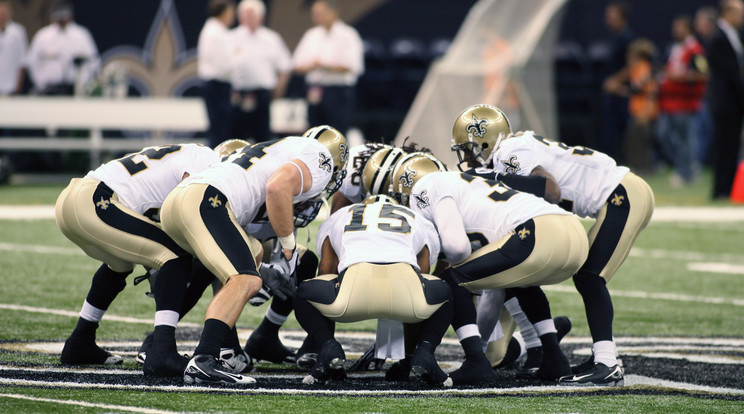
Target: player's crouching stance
{"type": "Point", "coordinates": [206, 215]}
{"type": "Point", "coordinates": [106, 213]}
{"type": "Point", "coordinates": [528, 242]}
{"type": "Point", "coordinates": [374, 260]}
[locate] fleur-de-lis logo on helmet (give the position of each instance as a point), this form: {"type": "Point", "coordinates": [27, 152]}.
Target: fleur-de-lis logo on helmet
{"type": "Point", "coordinates": [422, 200]}
{"type": "Point", "coordinates": [215, 201]}
{"type": "Point", "coordinates": [324, 162]}
{"type": "Point", "coordinates": [344, 152]}
{"type": "Point", "coordinates": [407, 178]}
{"type": "Point", "coordinates": [478, 127]}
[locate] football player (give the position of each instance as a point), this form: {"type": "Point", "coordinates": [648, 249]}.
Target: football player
{"type": "Point", "coordinates": [206, 214]}
{"type": "Point", "coordinates": [583, 181]}
{"type": "Point", "coordinates": [526, 242]}
{"type": "Point", "coordinates": [361, 280]}
{"type": "Point", "coordinates": [108, 214]}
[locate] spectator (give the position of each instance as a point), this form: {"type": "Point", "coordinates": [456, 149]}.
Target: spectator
{"type": "Point", "coordinates": [63, 56]}
{"type": "Point", "coordinates": [614, 105]}
{"type": "Point", "coordinates": [726, 95]}
{"type": "Point", "coordinates": [13, 44]}
{"type": "Point", "coordinates": [681, 93]}
{"type": "Point", "coordinates": [642, 107]}
{"type": "Point", "coordinates": [215, 56]}
{"type": "Point", "coordinates": [705, 28]}
{"type": "Point", "coordinates": [331, 56]}
{"type": "Point", "coordinates": [261, 72]}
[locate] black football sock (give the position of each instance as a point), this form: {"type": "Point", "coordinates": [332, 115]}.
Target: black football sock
{"type": "Point", "coordinates": [597, 303]}
{"type": "Point", "coordinates": [434, 328]}
{"type": "Point", "coordinates": [313, 322]}
{"type": "Point", "coordinates": [201, 278]}
{"type": "Point", "coordinates": [214, 334]}
{"type": "Point", "coordinates": [84, 328]}
{"type": "Point", "coordinates": [105, 286]}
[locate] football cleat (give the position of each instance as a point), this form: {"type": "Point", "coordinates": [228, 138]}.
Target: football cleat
{"type": "Point", "coordinates": [532, 364]}
{"type": "Point", "coordinates": [307, 354]}
{"type": "Point", "coordinates": [368, 362]}
{"type": "Point", "coordinates": [146, 344]}
{"type": "Point", "coordinates": [553, 367]}
{"type": "Point", "coordinates": [399, 371]}
{"type": "Point", "coordinates": [330, 364]}
{"type": "Point", "coordinates": [425, 366]}
{"type": "Point", "coordinates": [238, 362]}
{"type": "Point", "coordinates": [474, 371]}
{"type": "Point", "coordinates": [84, 351]}
{"type": "Point", "coordinates": [169, 364]}
{"type": "Point", "coordinates": [589, 364]}
{"type": "Point", "coordinates": [206, 369]}
{"type": "Point", "coordinates": [599, 375]}
{"type": "Point", "coordinates": [263, 347]}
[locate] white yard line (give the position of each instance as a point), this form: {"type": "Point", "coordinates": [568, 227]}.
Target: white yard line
{"type": "Point", "coordinates": [26, 212]}
{"type": "Point", "coordinates": [646, 295]}
{"type": "Point", "coordinates": [630, 380]}
{"type": "Point", "coordinates": [86, 404]}
{"type": "Point", "coordinates": [40, 249]}
{"type": "Point", "coordinates": [108, 317]}
{"type": "Point", "coordinates": [716, 268]}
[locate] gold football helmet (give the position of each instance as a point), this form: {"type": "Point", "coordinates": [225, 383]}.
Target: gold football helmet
{"type": "Point", "coordinates": [378, 198]}
{"type": "Point", "coordinates": [477, 132]}
{"type": "Point", "coordinates": [226, 148]}
{"type": "Point", "coordinates": [336, 143]}
{"type": "Point", "coordinates": [409, 171]}
{"type": "Point", "coordinates": [379, 167]}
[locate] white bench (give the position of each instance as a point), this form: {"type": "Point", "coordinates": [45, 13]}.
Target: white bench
{"type": "Point", "coordinates": [155, 116]}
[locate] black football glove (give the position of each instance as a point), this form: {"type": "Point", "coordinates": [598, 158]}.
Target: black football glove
{"type": "Point", "coordinates": [276, 282]}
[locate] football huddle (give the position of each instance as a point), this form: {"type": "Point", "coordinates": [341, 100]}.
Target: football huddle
{"type": "Point", "coordinates": [409, 242]}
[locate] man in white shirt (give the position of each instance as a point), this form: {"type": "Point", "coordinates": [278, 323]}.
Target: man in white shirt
{"type": "Point", "coordinates": [331, 57]}
{"type": "Point", "coordinates": [13, 44]}
{"type": "Point", "coordinates": [63, 56]}
{"type": "Point", "coordinates": [216, 59]}
{"type": "Point", "coordinates": [261, 72]}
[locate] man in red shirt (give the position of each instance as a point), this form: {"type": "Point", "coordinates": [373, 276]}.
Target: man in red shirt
{"type": "Point", "coordinates": [680, 97]}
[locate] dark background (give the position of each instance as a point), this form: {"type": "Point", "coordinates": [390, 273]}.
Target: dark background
{"type": "Point", "coordinates": [392, 78]}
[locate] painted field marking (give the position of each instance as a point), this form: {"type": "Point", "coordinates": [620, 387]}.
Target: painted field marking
{"type": "Point", "coordinates": [86, 404]}
{"type": "Point", "coordinates": [716, 268]}
{"type": "Point", "coordinates": [684, 255]}
{"type": "Point", "coordinates": [635, 381]}
{"type": "Point", "coordinates": [40, 249]}
{"type": "Point", "coordinates": [647, 295]}
{"type": "Point", "coordinates": [72, 314]}
{"type": "Point", "coordinates": [30, 212]}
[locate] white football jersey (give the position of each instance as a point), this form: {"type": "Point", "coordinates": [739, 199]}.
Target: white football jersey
{"type": "Point", "coordinates": [243, 175]}
{"type": "Point", "coordinates": [489, 209]}
{"type": "Point", "coordinates": [351, 186]}
{"type": "Point", "coordinates": [586, 177]}
{"type": "Point", "coordinates": [378, 233]}
{"type": "Point", "coordinates": [142, 180]}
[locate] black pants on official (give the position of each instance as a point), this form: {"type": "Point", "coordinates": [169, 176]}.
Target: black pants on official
{"type": "Point", "coordinates": [336, 108]}
{"type": "Point", "coordinates": [252, 114]}
{"type": "Point", "coordinates": [216, 96]}
{"type": "Point", "coordinates": [726, 145]}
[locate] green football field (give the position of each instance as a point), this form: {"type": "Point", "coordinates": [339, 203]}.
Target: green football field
{"type": "Point", "coordinates": [681, 285]}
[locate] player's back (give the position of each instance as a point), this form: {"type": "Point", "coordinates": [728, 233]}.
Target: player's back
{"type": "Point", "coordinates": [586, 177]}
{"type": "Point", "coordinates": [487, 207]}
{"type": "Point", "coordinates": [243, 175]}
{"type": "Point", "coordinates": [378, 233]}
{"type": "Point", "coordinates": [142, 180]}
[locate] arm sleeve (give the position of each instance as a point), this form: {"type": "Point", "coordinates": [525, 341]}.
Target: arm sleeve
{"type": "Point", "coordinates": [455, 242]}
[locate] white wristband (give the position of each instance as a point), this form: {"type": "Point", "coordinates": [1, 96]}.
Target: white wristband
{"type": "Point", "coordinates": [288, 242]}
